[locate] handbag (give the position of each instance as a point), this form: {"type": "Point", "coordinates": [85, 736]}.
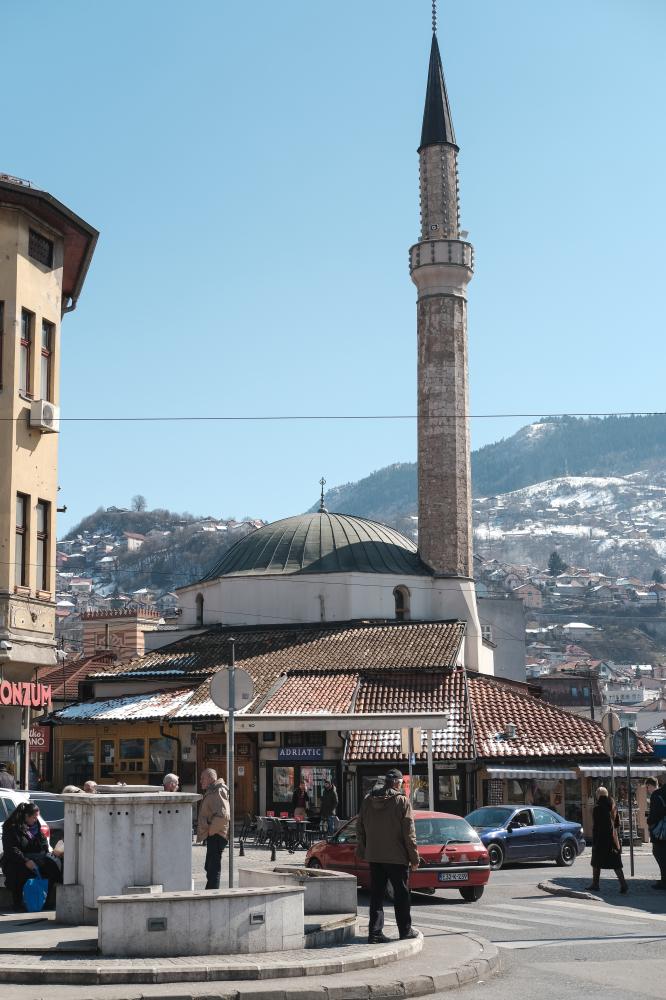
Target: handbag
{"type": "Point", "coordinates": [658, 831]}
{"type": "Point", "coordinates": [35, 891]}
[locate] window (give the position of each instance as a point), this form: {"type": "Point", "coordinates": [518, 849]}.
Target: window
{"type": "Point", "coordinates": [43, 518]}
{"type": "Point", "coordinates": [25, 353]}
{"type": "Point", "coordinates": [20, 554]}
{"type": "Point", "coordinates": [487, 633]}
{"type": "Point", "coordinates": [401, 598]}
{"type": "Point", "coordinates": [48, 334]}
{"type": "Point", "coordinates": [2, 334]}
{"type": "Point", "coordinates": [199, 608]}
{"type": "Point", "coordinates": [40, 249]}
{"type": "Point", "coordinates": [107, 758]}
{"type": "Point", "coordinates": [542, 817]}
{"type": "Point", "coordinates": [574, 692]}
{"type": "Point", "coordinates": [161, 758]}
{"type": "Point", "coordinates": [132, 749]}
{"type": "Point", "coordinates": [78, 762]}
{"type": "Point", "coordinates": [304, 739]}
{"type": "Point", "coordinates": [283, 784]}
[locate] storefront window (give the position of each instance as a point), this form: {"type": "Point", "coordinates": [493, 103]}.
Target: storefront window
{"type": "Point", "coordinates": [78, 762]}
{"type": "Point", "coordinates": [107, 754]}
{"type": "Point", "coordinates": [448, 787]}
{"type": "Point", "coordinates": [314, 778]}
{"type": "Point", "coordinates": [162, 759]}
{"type": "Point", "coordinates": [132, 749]}
{"type": "Point", "coordinates": [283, 784]}
{"type": "Point", "coordinates": [573, 802]}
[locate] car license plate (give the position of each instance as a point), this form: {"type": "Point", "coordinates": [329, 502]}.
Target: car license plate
{"type": "Point", "coordinates": [452, 876]}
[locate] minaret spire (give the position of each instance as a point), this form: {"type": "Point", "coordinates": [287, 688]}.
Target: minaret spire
{"type": "Point", "coordinates": [437, 123]}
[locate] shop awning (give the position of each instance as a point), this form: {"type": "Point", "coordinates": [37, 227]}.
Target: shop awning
{"type": "Point", "coordinates": [531, 772]}
{"type": "Point", "coordinates": [637, 770]}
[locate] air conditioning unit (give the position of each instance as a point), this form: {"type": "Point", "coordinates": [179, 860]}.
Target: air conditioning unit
{"type": "Point", "coordinates": [45, 416]}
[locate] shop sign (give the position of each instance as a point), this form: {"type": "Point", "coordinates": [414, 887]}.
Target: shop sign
{"type": "Point", "coordinates": [40, 739]}
{"type": "Point", "coordinates": [300, 754]}
{"type": "Point", "coordinates": [25, 694]}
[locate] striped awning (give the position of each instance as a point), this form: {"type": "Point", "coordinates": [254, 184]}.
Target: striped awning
{"type": "Point", "coordinates": [637, 770]}
{"type": "Point", "coordinates": [531, 772]}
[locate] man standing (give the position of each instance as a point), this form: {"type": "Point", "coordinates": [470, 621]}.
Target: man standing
{"type": "Point", "coordinates": [213, 824]}
{"type": "Point", "coordinates": [6, 779]}
{"type": "Point", "coordinates": [170, 782]}
{"type": "Point", "coordinates": [329, 806]}
{"type": "Point", "coordinates": [387, 841]}
{"type": "Point", "coordinates": [656, 821]}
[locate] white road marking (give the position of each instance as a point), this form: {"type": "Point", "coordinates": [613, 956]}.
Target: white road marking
{"type": "Point", "coordinates": [577, 942]}
{"type": "Point", "coordinates": [575, 904]}
{"type": "Point", "coordinates": [542, 910]}
{"type": "Point", "coordinates": [468, 918]}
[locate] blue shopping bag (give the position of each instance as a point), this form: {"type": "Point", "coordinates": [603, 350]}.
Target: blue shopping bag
{"type": "Point", "coordinates": [35, 892]}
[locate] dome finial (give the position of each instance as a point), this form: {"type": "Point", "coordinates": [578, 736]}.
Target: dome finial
{"type": "Point", "coordinates": [322, 506]}
{"type": "Point", "coordinates": [434, 17]}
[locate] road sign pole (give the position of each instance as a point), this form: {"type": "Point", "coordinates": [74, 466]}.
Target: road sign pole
{"type": "Point", "coordinates": [627, 747]}
{"type": "Point", "coordinates": [431, 774]}
{"type": "Point", "coordinates": [612, 764]}
{"type": "Point", "coordinates": [231, 735]}
{"type": "Point", "coordinates": [411, 757]}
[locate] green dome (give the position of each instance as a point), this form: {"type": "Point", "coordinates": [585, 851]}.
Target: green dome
{"type": "Point", "coordinates": [321, 543]}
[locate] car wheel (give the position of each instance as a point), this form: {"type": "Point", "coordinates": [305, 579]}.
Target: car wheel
{"type": "Point", "coordinates": [314, 863]}
{"type": "Point", "coordinates": [496, 856]}
{"type": "Point", "coordinates": [472, 893]}
{"type": "Point", "coordinates": [567, 854]}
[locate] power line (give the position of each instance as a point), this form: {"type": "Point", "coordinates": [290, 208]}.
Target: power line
{"type": "Point", "coordinates": [285, 417]}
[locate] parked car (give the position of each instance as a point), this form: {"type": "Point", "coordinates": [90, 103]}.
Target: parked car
{"type": "Point", "coordinates": [452, 855]}
{"type": "Point", "coordinates": [527, 833]}
{"type": "Point", "coordinates": [52, 811]}
{"type": "Point", "coordinates": [9, 800]}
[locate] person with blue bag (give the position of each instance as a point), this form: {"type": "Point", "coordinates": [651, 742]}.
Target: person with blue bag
{"type": "Point", "coordinates": [26, 858]}
{"type": "Point", "coordinates": [656, 821]}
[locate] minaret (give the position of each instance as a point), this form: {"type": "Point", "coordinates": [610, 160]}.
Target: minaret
{"type": "Point", "coordinates": [441, 266]}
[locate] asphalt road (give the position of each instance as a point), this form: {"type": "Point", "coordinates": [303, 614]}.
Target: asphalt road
{"type": "Point", "coordinates": [556, 948]}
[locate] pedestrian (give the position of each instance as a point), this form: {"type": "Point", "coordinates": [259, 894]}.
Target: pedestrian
{"type": "Point", "coordinates": [300, 801]}
{"type": "Point", "coordinates": [170, 782]}
{"type": "Point", "coordinates": [329, 806]}
{"type": "Point", "coordinates": [656, 821]}
{"type": "Point", "coordinates": [387, 841]}
{"type": "Point", "coordinates": [606, 844]}
{"type": "Point", "coordinates": [90, 787]}
{"type": "Point", "coordinates": [213, 824]}
{"type": "Point", "coordinates": [70, 790]}
{"type": "Point", "coordinates": [7, 780]}
{"type": "Point", "coordinates": [26, 853]}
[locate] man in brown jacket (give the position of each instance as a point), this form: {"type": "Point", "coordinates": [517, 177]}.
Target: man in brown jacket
{"type": "Point", "coordinates": [213, 824]}
{"type": "Point", "coordinates": [387, 841]}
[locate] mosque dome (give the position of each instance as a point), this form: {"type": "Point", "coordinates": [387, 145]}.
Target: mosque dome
{"type": "Point", "coordinates": [321, 543]}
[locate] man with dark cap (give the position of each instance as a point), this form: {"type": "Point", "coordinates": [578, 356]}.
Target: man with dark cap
{"type": "Point", "coordinates": [387, 841]}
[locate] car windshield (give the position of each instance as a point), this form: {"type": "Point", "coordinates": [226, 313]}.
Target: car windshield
{"type": "Point", "coordinates": [444, 829]}
{"type": "Point", "coordinates": [490, 816]}
{"type": "Point", "coordinates": [49, 809]}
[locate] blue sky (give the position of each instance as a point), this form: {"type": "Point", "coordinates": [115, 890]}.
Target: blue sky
{"type": "Point", "coordinates": [252, 169]}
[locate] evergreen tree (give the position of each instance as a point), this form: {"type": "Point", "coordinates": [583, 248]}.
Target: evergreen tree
{"type": "Point", "coordinates": [556, 565]}
{"type": "Point", "coordinates": [657, 576]}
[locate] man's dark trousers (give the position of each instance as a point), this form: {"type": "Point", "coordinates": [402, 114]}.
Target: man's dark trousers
{"type": "Point", "coordinates": [398, 876]}
{"type": "Point", "coordinates": [659, 851]}
{"type": "Point", "coordinates": [215, 844]}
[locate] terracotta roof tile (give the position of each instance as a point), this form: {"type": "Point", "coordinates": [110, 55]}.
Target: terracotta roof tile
{"type": "Point", "coordinates": [308, 693]}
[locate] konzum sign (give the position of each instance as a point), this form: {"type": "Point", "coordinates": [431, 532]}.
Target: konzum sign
{"type": "Point", "coordinates": [25, 694]}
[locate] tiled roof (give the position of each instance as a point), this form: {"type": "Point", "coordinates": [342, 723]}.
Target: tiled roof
{"type": "Point", "coordinates": [71, 672]}
{"type": "Point", "coordinates": [310, 693]}
{"type": "Point", "coordinates": [131, 708]}
{"type": "Point", "coordinates": [268, 651]}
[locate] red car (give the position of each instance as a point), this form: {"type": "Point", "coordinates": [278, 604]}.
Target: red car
{"type": "Point", "coordinates": [451, 852]}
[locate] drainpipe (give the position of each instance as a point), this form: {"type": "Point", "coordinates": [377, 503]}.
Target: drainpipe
{"type": "Point", "coordinates": [472, 733]}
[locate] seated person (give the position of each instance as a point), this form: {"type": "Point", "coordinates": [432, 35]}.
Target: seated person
{"type": "Point", "coordinates": [521, 819]}
{"type": "Point", "coordinates": [26, 853]}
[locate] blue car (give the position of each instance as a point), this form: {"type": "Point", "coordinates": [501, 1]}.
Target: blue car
{"type": "Point", "coordinates": [527, 833]}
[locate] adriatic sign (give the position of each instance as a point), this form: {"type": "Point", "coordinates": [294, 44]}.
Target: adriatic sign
{"type": "Point", "coordinates": [25, 694]}
{"type": "Point", "coordinates": [300, 753]}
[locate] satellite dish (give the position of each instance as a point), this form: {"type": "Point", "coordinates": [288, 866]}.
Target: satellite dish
{"type": "Point", "coordinates": [243, 689]}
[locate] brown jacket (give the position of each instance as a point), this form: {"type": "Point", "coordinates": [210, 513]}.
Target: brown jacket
{"type": "Point", "coordinates": [213, 816]}
{"type": "Point", "coordinates": [385, 828]}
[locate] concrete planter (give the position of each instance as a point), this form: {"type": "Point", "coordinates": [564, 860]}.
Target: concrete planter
{"type": "Point", "coordinates": [325, 891]}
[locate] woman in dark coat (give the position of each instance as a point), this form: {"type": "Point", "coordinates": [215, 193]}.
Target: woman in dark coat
{"type": "Point", "coordinates": [25, 851]}
{"type": "Point", "coordinates": [606, 844]}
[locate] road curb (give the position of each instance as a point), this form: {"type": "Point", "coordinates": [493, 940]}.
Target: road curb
{"type": "Point", "coordinates": [560, 890]}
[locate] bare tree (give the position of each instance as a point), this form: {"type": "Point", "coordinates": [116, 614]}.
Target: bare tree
{"type": "Point", "coordinates": [139, 502]}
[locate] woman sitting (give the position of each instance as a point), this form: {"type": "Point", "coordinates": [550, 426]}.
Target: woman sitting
{"type": "Point", "coordinates": [26, 852]}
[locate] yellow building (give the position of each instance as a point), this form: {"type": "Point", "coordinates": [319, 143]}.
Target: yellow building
{"type": "Point", "coordinates": [45, 251]}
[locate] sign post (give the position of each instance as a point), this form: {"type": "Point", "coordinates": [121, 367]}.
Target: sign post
{"type": "Point", "coordinates": [231, 689]}
{"type": "Point", "coordinates": [610, 723]}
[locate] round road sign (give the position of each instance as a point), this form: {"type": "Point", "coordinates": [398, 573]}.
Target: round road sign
{"type": "Point", "coordinates": [625, 742]}
{"type": "Point", "coordinates": [243, 688]}
{"type": "Point", "coordinates": [610, 722]}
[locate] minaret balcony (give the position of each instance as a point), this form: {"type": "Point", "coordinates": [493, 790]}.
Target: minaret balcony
{"type": "Point", "coordinates": [441, 266]}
